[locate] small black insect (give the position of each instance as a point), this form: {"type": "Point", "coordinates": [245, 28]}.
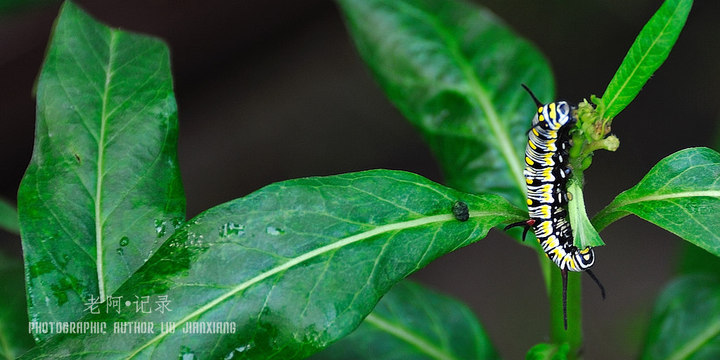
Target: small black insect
{"type": "Point", "coordinates": [460, 211]}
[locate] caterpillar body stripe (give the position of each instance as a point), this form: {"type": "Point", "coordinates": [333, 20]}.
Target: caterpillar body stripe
{"type": "Point", "coordinates": [546, 174]}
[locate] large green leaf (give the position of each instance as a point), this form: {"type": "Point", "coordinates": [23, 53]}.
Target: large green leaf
{"type": "Point", "coordinates": [14, 337]}
{"type": "Point", "coordinates": [681, 194]}
{"type": "Point", "coordinates": [650, 49]}
{"type": "Point", "coordinates": [454, 70]}
{"type": "Point", "coordinates": [294, 266]}
{"type": "Point", "coordinates": [412, 322]}
{"type": "Point", "coordinates": [103, 187]}
{"type": "Point", "coordinates": [8, 217]}
{"type": "Point", "coordinates": [686, 321]}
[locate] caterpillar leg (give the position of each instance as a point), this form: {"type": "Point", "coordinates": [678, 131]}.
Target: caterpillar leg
{"type": "Point", "coordinates": [526, 223]}
{"type": "Point", "coordinates": [595, 279]}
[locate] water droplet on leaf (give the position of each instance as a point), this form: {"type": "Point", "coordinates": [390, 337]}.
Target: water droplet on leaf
{"type": "Point", "coordinates": [176, 222]}
{"type": "Point", "coordinates": [160, 228]}
{"type": "Point", "coordinates": [186, 354]}
{"type": "Point", "coordinates": [232, 229]}
{"type": "Point", "coordinates": [274, 230]}
{"type": "Point", "coordinates": [124, 241]}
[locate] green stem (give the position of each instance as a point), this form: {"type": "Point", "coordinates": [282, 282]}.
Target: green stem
{"type": "Point", "coordinates": [546, 269]}
{"type": "Point", "coordinates": [573, 335]}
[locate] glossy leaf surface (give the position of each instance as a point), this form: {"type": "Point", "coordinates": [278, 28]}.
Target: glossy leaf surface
{"type": "Point", "coordinates": [454, 70]}
{"type": "Point", "coordinates": [680, 194]}
{"type": "Point", "coordinates": [650, 49]}
{"type": "Point", "coordinates": [413, 322]}
{"type": "Point", "coordinates": [295, 265]}
{"type": "Point", "coordinates": [584, 234]}
{"type": "Point", "coordinates": [686, 321]}
{"type": "Point", "coordinates": [103, 187]}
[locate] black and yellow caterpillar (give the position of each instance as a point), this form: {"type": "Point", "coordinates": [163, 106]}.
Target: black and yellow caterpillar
{"type": "Point", "coordinates": [546, 174]}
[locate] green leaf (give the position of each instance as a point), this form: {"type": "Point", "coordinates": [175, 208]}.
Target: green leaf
{"type": "Point", "coordinates": [10, 7]}
{"type": "Point", "coordinates": [413, 322]}
{"type": "Point", "coordinates": [686, 320]}
{"type": "Point", "coordinates": [584, 234]}
{"type": "Point", "coordinates": [454, 70]}
{"type": "Point", "coordinates": [14, 337]}
{"type": "Point", "coordinates": [681, 194]}
{"type": "Point", "coordinates": [645, 56]}
{"type": "Point", "coordinates": [548, 352]}
{"type": "Point", "coordinates": [696, 260]}
{"type": "Point", "coordinates": [103, 189]}
{"type": "Point", "coordinates": [295, 265]}
{"type": "Point", "coordinates": [8, 217]}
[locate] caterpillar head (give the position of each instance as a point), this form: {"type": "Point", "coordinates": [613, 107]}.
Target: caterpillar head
{"type": "Point", "coordinates": [585, 258]}
{"type": "Point", "coordinates": [555, 114]}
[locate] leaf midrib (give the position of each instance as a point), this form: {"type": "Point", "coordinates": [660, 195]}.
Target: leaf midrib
{"type": "Point", "coordinates": [408, 336]}
{"type": "Point", "coordinates": [692, 346]}
{"type": "Point", "coordinates": [639, 63]}
{"type": "Point", "coordinates": [617, 207]}
{"type": "Point", "coordinates": [675, 195]}
{"type": "Point", "coordinates": [307, 256]}
{"type": "Point", "coordinates": [99, 240]}
{"type": "Point", "coordinates": [507, 150]}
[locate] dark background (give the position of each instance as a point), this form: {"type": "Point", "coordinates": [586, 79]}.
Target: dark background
{"type": "Point", "coordinates": [273, 90]}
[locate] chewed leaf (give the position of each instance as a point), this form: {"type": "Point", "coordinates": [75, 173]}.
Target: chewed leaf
{"type": "Point", "coordinates": [295, 265]}
{"type": "Point", "coordinates": [584, 234]}
{"type": "Point", "coordinates": [680, 194]}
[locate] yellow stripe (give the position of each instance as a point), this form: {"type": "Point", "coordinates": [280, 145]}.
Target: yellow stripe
{"type": "Point", "coordinates": [547, 174]}
{"type": "Point", "coordinates": [548, 157]}
{"type": "Point", "coordinates": [552, 111]}
{"type": "Point", "coordinates": [572, 264]}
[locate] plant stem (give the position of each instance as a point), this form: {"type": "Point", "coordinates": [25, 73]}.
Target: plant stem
{"type": "Point", "coordinates": [573, 334]}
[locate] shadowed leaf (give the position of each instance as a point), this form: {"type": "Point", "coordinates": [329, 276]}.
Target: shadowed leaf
{"type": "Point", "coordinates": [686, 321]}
{"type": "Point", "coordinates": [8, 217]}
{"type": "Point", "coordinates": [412, 322]}
{"type": "Point", "coordinates": [454, 70]}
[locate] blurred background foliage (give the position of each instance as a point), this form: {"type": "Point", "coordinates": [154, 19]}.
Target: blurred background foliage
{"type": "Point", "coordinates": [269, 91]}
